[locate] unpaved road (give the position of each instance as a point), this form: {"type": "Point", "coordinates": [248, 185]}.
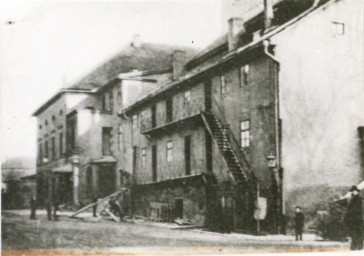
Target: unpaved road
{"type": "Point", "coordinates": [19, 233]}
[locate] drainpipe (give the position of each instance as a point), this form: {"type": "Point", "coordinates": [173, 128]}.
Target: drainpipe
{"type": "Point", "coordinates": [266, 45]}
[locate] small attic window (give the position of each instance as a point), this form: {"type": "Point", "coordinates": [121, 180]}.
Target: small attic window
{"type": "Point", "coordinates": [60, 112]}
{"type": "Point", "coordinates": [338, 28]}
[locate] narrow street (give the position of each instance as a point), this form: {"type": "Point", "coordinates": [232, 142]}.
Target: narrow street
{"type": "Point", "coordinates": [19, 233]}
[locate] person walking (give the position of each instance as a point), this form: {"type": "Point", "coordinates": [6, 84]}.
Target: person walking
{"type": "Point", "coordinates": [33, 208]}
{"type": "Point", "coordinates": [299, 222]}
{"type": "Point", "coordinates": [48, 207]}
{"type": "Point", "coordinates": [353, 219]}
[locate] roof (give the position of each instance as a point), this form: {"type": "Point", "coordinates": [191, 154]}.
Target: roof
{"type": "Point", "coordinates": [147, 57]}
{"type": "Point", "coordinates": [254, 20]}
{"type": "Point", "coordinates": [228, 56]}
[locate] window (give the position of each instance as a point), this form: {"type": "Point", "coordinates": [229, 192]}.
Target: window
{"type": "Point", "coordinates": [40, 127]}
{"type": "Point", "coordinates": [60, 144]}
{"type": "Point", "coordinates": [120, 136]}
{"type": "Point", "coordinates": [244, 75]}
{"type": "Point", "coordinates": [40, 153]}
{"type": "Point", "coordinates": [119, 99]}
{"type": "Point", "coordinates": [169, 151]}
{"type": "Point", "coordinates": [53, 118]}
{"type": "Point", "coordinates": [245, 134]}
{"type": "Point", "coordinates": [169, 110]}
{"type": "Point", "coordinates": [187, 97]}
{"type": "Point", "coordinates": [46, 150]}
{"type": "Point", "coordinates": [111, 100]}
{"type": "Point", "coordinates": [46, 122]}
{"type": "Point", "coordinates": [53, 148]}
{"type": "Point", "coordinates": [223, 86]}
{"type": "Point", "coordinates": [106, 140]}
{"type": "Point", "coordinates": [60, 112]}
{"type": "Point", "coordinates": [71, 132]}
{"type": "Point", "coordinates": [104, 102]}
{"type": "Point", "coordinates": [339, 28]}
{"type": "Point", "coordinates": [135, 121]}
{"type": "Point", "coordinates": [89, 179]}
{"type": "Point", "coordinates": [144, 156]}
{"type": "Point", "coordinates": [154, 119]}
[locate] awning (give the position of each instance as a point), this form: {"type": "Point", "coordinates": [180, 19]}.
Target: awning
{"type": "Point", "coordinates": [105, 160]}
{"type": "Point", "coordinates": [67, 168]}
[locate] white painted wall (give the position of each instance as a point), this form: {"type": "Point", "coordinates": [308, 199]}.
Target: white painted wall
{"type": "Point", "coordinates": [322, 96]}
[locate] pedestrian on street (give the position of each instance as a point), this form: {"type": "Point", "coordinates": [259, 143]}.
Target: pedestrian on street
{"type": "Point", "coordinates": [55, 210]}
{"type": "Point", "coordinates": [299, 223]}
{"type": "Point", "coordinates": [354, 219]}
{"type": "Point", "coordinates": [48, 207]}
{"type": "Point", "coordinates": [94, 208]}
{"type": "Point", "coordinates": [33, 208]}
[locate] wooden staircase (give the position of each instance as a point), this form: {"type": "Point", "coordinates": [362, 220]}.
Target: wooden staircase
{"type": "Point", "coordinates": [220, 134]}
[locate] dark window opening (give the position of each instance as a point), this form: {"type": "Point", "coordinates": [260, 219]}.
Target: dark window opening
{"type": "Point", "coordinates": [53, 148]}
{"type": "Point", "coordinates": [154, 162]}
{"type": "Point", "coordinates": [135, 150]}
{"type": "Point", "coordinates": [60, 144]}
{"type": "Point", "coordinates": [89, 179]}
{"type": "Point", "coordinates": [154, 113]}
{"type": "Point", "coordinates": [208, 142]}
{"type": "Point", "coordinates": [46, 150]}
{"type": "Point", "coordinates": [178, 208]}
{"type": "Point", "coordinates": [188, 155]}
{"type": "Point", "coordinates": [208, 95]}
{"type": "Point", "coordinates": [71, 132]}
{"type": "Point", "coordinates": [106, 140]}
{"type": "Point", "coordinates": [169, 110]}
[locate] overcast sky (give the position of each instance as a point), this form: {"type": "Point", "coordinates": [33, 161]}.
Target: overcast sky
{"type": "Point", "coordinates": [44, 44]}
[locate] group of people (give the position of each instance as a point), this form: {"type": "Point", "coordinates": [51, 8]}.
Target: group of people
{"type": "Point", "coordinates": [48, 206]}
{"type": "Point", "coordinates": [353, 220]}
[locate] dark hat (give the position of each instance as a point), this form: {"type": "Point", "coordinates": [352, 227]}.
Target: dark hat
{"type": "Point", "coordinates": [354, 188]}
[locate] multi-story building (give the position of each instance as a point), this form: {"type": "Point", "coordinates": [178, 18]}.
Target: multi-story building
{"type": "Point", "coordinates": [271, 109]}
{"type": "Point", "coordinates": [79, 134]}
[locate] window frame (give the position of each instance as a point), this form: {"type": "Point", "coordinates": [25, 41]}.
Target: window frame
{"type": "Point", "coordinates": [244, 75]}
{"type": "Point", "coordinates": [339, 28]}
{"type": "Point", "coordinates": [223, 85]}
{"type": "Point", "coordinates": [143, 154]}
{"type": "Point", "coordinates": [245, 128]}
{"type": "Point", "coordinates": [187, 97]}
{"type": "Point", "coordinates": [169, 148]}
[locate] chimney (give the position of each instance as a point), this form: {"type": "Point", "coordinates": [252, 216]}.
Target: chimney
{"type": "Point", "coordinates": [268, 14]}
{"type": "Point", "coordinates": [235, 26]}
{"type": "Point", "coordinates": [179, 59]}
{"type": "Point", "coordinates": [136, 43]}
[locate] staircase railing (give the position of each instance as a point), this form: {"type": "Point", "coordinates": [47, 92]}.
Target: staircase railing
{"type": "Point", "coordinates": [232, 139]}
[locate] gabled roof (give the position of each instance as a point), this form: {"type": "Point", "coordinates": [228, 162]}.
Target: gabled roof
{"type": "Point", "coordinates": [318, 4]}
{"type": "Point", "coordinates": [147, 57]}
{"type": "Point", "coordinates": [283, 11]}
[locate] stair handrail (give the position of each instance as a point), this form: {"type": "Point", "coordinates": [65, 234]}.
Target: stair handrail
{"type": "Point", "coordinates": [237, 148]}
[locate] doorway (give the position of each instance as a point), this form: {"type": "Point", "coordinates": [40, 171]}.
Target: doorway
{"type": "Point", "coordinates": [178, 208]}
{"type": "Point", "coordinates": [154, 162]}
{"type": "Point", "coordinates": [188, 155]}
{"type": "Point", "coordinates": [208, 95]}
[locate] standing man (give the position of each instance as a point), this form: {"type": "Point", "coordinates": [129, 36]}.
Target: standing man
{"type": "Point", "coordinates": [48, 207]}
{"type": "Point", "coordinates": [33, 207]}
{"type": "Point", "coordinates": [354, 219]}
{"type": "Point", "coordinates": [299, 223]}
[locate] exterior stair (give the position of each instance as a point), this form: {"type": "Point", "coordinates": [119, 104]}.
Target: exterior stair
{"type": "Point", "coordinates": [220, 134]}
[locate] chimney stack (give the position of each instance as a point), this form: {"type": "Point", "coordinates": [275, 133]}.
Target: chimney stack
{"type": "Point", "coordinates": [268, 14]}
{"type": "Point", "coordinates": [179, 59]}
{"type": "Point", "coordinates": [136, 43]}
{"type": "Point", "coordinates": [235, 26]}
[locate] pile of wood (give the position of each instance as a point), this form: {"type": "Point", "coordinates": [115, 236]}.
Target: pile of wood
{"type": "Point", "coordinates": [102, 206]}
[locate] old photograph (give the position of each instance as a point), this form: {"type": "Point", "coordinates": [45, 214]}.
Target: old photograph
{"type": "Point", "coordinates": [196, 127]}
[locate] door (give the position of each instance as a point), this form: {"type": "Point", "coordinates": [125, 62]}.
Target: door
{"type": "Point", "coordinates": [178, 208]}
{"type": "Point", "coordinates": [107, 180]}
{"type": "Point", "coordinates": [154, 162]}
{"type": "Point", "coordinates": [188, 155]}
{"type": "Point", "coordinates": [208, 99]}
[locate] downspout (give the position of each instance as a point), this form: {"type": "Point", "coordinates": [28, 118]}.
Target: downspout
{"type": "Point", "coordinates": [266, 45]}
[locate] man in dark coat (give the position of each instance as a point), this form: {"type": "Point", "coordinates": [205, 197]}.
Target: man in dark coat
{"type": "Point", "coordinates": [354, 219]}
{"type": "Point", "coordinates": [299, 223]}
{"type": "Point", "coordinates": [33, 207]}
{"type": "Point", "coordinates": [48, 207]}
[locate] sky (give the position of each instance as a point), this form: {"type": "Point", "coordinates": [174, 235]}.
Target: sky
{"type": "Point", "coordinates": [46, 45]}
